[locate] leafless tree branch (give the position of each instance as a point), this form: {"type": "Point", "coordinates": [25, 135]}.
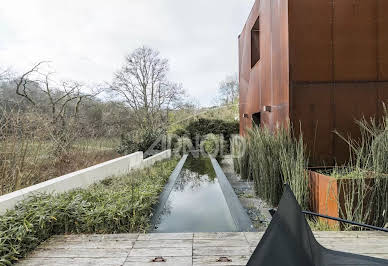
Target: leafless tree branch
{"type": "Point", "coordinates": [142, 83]}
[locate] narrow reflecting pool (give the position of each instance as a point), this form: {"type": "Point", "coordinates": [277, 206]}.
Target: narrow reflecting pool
{"type": "Point", "coordinates": [196, 203]}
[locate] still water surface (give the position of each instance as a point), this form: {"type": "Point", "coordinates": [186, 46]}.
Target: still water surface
{"type": "Point", "coordinates": [196, 203]}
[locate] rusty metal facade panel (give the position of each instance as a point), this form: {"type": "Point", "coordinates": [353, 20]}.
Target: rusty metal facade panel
{"type": "Point", "coordinates": [355, 40]}
{"type": "Point", "coordinates": [318, 117]}
{"type": "Point", "coordinates": [352, 101]}
{"type": "Point", "coordinates": [312, 112]}
{"type": "Point", "coordinates": [333, 40]}
{"type": "Point", "coordinates": [339, 60]}
{"type": "Point", "coordinates": [310, 40]}
{"type": "Point", "coordinates": [267, 82]}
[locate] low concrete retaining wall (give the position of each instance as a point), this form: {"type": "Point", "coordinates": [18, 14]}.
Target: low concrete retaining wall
{"type": "Point", "coordinates": [156, 158]}
{"type": "Point", "coordinates": [83, 178]}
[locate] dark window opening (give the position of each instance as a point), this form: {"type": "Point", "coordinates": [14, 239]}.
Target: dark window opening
{"type": "Point", "coordinates": [256, 118]}
{"type": "Point", "coordinates": [255, 43]}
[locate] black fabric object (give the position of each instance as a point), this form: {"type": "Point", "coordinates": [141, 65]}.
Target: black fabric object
{"type": "Point", "coordinates": [289, 241]}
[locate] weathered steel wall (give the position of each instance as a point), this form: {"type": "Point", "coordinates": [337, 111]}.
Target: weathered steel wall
{"type": "Point", "coordinates": [324, 63]}
{"type": "Point", "coordinates": [267, 82]}
{"type": "Point", "coordinates": [338, 69]}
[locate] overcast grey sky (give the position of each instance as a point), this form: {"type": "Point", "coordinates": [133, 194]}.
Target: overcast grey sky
{"type": "Point", "coordinates": [87, 40]}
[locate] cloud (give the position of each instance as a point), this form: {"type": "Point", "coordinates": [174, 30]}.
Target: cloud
{"type": "Point", "coordinates": [87, 40]}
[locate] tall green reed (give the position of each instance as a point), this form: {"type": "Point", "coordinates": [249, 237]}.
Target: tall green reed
{"type": "Point", "coordinates": [363, 182]}
{"type": "Point", "coordinates": [273, 158]}
{"type": "Point", "coordinates": [240, 154]}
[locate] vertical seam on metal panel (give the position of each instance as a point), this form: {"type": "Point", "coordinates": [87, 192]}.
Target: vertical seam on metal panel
{"type": "Point", "coordinates": [377, 56]}
{"type": "Point", "coordinates": [376, 84]}
{"type": "Point", "coordinates": [377, 39]}
{"type": "Point", "coordinates": [290, 99]}
{"type": "Point", "coordinates": [271, 33]}
{"type": "Point", "coordinates": [332, 106]}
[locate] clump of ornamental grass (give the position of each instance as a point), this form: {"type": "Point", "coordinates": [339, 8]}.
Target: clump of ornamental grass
{"type": "Point", "coordinates": [320, 224]}
{"type": "Point", "coordinates": [117, 205]}
{"type": "Point", "coordinates": [363, 182]}
{"type": "Point", "coordinates": [275, 158]}
{"type": "Point", "coordinates": [240, 154]}
{"type": "Point", "coordinates": [362, 196]}
{"type": "Point", "coordinates": [293, 164]}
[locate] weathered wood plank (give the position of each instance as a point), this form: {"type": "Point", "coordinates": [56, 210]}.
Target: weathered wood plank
{"type": "Point", "coordinates": [72, 261]}
{"type": "Point", "coordinates": [183, 249]}
{"type": "Point", "coordinates": [101, 244]}
{"type": "Point", "coordinates": [80, 253]}
{"type": "Point", "coordinates": [221, 251]}
{"type": "Point", "coordinates": [173, 261]}
{"type": "Point", "coordinates": [220, 243]}
{"type": "Point", "coordinates": [94, 237]}
{"type": "Point", "coordinates": [230, 236]}
{"type": "Point", "coordinates": [184, 243]}
{"type": "Point", "coordinates": [212, 260]}
{"type": "Point", "coordinates": [346, 234]}
{"type": "Point", "coordinates": [165, 236]}
{"type": "Point", "coordinates": [154, 252]}
{"type": "Point", "coordinates": [253, 238]}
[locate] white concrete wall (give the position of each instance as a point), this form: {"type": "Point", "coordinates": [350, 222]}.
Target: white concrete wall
{"type": "Point", "coordinates": [83, 178]}
{"type": "Point", "coordinates": [157, 157]}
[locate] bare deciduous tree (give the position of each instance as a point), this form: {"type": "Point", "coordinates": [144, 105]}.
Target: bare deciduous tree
{"type": "Point", "coordinates": [4, 74]}
{"type": "Point", "coordinates": [142, 82]}
{"type": "Point", "coordinates": [228, 90]}
{"type": "Point", "coordinates": [64, 99]}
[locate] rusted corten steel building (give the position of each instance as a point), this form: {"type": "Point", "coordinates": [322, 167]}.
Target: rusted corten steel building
{"type": "Point", "coordinates": [322, 64]}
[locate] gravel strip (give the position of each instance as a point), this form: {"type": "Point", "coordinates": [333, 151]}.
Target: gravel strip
{"type": "Point", "coordinates": [256, 208]}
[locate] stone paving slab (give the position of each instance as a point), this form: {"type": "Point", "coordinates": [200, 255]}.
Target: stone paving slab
{"type": "Point", "coordinates": [183, 248]}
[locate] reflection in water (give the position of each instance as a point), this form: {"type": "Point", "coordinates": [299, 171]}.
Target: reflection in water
{"type": "Point", "coordinates": [196, 203]}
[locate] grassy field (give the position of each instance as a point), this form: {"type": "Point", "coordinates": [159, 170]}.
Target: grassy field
{"type": "Point", "coordinates": [117, 205]}
{"type": "Point", "coordinates": [25, 162]}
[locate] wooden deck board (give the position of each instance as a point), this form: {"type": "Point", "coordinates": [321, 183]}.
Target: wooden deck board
{"type": "Point", "coordinates": [173, 261]}
{"type": "Point", "coordinates": [183, 248]}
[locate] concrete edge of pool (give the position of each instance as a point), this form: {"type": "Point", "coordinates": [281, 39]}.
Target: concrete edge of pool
{"type": "Point", "coordinates": [240, 217]}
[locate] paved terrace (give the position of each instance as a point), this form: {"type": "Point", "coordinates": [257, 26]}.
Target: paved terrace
{"type": "Point", "coordinates": [183, 248]}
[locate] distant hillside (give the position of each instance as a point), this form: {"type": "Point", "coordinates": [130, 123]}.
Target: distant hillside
{"type": "Point", "coordinates": [181, 118]}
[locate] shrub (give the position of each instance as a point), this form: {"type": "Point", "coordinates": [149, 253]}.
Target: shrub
{"type": "Point", "coordinates": [214, 145]}
{"type": "Point", "coordinates": [117, 205]}
{"type": "Point", "coordinates": [149, 141]}
{"type": "Point", "coordinates": [181, 132]}
{"type": "Point", "coordinates": [202, 127]}
{"type": "Point", "coordinates": [182, 145]}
